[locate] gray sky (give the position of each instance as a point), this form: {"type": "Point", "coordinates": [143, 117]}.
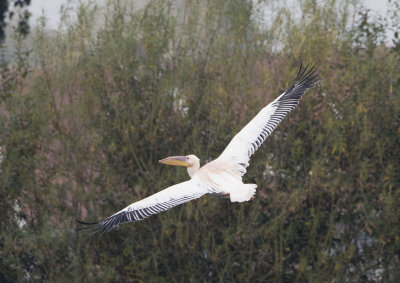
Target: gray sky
{"type": "Point", "coordinates": [51, 9]}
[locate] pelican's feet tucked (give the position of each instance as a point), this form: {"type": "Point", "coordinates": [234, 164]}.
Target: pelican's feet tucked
{"type": "Point", "coordinates": [244, 193]}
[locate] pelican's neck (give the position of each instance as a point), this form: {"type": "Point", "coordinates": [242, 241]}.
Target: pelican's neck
{"type": "Point", "coordinates": [192, 170]}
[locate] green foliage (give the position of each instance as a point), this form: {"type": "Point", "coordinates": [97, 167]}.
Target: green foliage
{"type": "Point", "coordinates": [12, 9]}
{"type": "Point", "coordinates": [88, 112]}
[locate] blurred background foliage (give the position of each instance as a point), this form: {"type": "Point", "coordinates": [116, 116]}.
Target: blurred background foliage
{"type": "Point", "coordinates": [87, 111]}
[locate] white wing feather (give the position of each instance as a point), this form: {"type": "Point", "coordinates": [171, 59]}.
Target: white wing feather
{"type": "Point", "coordinates": [156, 203]}
{"type": "Point", "coordinates": [249, 139]}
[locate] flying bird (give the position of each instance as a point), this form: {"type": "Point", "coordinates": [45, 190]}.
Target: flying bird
{"type": "Point", "coordinates": [222, 176]}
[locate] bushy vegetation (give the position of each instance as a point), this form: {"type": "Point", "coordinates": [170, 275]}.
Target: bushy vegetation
{"type": "Point", "coordinates": [89, 109]}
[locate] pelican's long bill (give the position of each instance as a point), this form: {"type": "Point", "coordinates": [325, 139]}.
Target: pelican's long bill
{"type": "Point", "coordinates": [175, 160]}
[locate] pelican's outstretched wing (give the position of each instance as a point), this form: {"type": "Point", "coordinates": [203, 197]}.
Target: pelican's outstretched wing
{"type": "Point", "coordinates": [161, 201]}
{"type": "Point", "coordinates": [249, 139]}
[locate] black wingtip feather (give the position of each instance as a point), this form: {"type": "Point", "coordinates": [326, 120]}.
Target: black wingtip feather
{"type": "Point", "coordinates": [87, 225]}
{"type": "Point", "coordinates": [305, 79]}
{"type": "Point", "coordinates": [105, 225]}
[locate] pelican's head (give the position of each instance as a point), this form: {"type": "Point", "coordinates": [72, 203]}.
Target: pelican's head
{"type": "Point", "coordinates": [187, 161]}
{"type": "Point", "coordinates": [192, 162]}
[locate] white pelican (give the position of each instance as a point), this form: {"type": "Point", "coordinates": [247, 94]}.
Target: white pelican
{"type": "Point", "coordinates": [222, 176]}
